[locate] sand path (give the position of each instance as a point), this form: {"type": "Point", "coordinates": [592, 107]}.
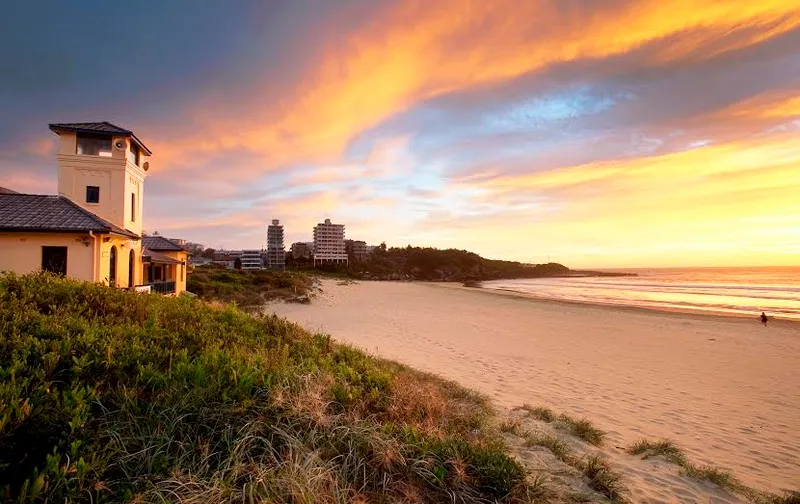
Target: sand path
{"type": "Point", "coordinates": [726, 390]}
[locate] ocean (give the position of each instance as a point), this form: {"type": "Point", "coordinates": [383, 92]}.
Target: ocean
{"type": "Point", "coordinates": [732, 291]}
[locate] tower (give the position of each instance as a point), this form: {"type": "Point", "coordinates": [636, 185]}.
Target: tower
{"type": "Point", "coordinates": [276, 252]}
{"type": "Point", "coordinates": [102, 167]}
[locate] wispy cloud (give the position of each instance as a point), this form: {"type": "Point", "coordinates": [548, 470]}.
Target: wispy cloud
{"type": "Point", "coordinates": [605, 133]}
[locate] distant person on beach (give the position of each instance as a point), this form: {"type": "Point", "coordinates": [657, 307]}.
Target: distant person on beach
{"type": "Point", "coordinates": [764, 318]}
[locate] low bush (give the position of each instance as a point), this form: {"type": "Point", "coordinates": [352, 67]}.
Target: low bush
{"type": "Point", "coordinates": [107, 395]}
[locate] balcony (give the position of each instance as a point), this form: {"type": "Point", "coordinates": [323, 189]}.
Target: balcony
{"type": "Point", "coordinates": [164, 287]}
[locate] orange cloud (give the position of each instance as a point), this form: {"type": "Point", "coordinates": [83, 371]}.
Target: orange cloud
{"type": "Point", "coordinates": [417, 50]}
{"type": "Point", "coordinates": [730, 204]}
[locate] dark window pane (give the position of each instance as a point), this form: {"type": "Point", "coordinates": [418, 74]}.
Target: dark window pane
{"type": "Point", "coordinates": [112, 267]}
{"type": "Point", "coordinates": [92, 194]}
{"type": "Point", "coordinates": [133, 208]}
{"type": "Point", "coordinates": [94, 145]}
{"type": "Point", "coordinates": [54, 259]}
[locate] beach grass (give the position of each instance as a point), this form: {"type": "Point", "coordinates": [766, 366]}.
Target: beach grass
{"type": "Point", "coordinates": [107, 395]}
{"type": "Point", "coordinates": [661, 447]}
{"type": "Point", "coordinates": [602, 478]}
{"type": "Point", "coordinates": [248, 289]}
{"type": "Point", "coordinates": [582, 428]}
{"type": "Point", "coordinates": [706, 472]}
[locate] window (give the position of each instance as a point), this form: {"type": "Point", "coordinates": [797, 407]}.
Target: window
{"type": "Point", "coordinates": [112, 267]}
{"type": "Point", "coordinates": [94, 145]}
{"type": "Point", "coordinates": [133, 154]}
{"type": "Point", "coordinates": [54, 260]}
{"type": "Point", "coordinates": [92, 194]}
{"type": "Point", "coordinates": [133, 207]}
{"type": "Point", "coordinates": [183, 272]}
{"type": "Point", "coordinates": [131, 269]}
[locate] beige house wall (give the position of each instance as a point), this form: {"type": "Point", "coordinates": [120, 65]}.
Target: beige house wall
{"type": "Point", "coordinates": [123, 248]}
{"type": "Point", "coordinates": [22, 252]}
{"type": "Point", "coordinates": [88, 257]}
{"type": "Point", "coordinates": [177, 272]}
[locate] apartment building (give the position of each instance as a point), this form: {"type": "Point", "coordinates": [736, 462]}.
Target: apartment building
{"type": "Point", "coordinates": [252, 260]}
{"type": "Point", "coordinates": [329, 243]}
{"type": "Point", "coordinates": [276, 252]}
{"type": "Point", "coordinates": [302, 250]}
{"type": "Point", "coordinates": [356, 249]}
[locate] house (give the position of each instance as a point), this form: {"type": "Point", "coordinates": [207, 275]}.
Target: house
{"type": "Point", "coordinates": [164, 264]}
{"type": "Point", "coordinates": [91, 230]}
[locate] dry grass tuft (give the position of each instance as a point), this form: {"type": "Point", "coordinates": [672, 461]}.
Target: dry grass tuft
{"type": "Point", "coordinates": [662, 447]}
{"type": "Point", "coordinates": [602, 478]}
{"type": "Point", "coordinates": [584, 429]}
{"type": "Point", "coordinates": [540, 413]}
{"type": "Point", "coordinates": [581, 428]}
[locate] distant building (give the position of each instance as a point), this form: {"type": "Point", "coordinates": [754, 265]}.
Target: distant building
{"type": "Point", "coordinates": [251, 260]}
{"type": "Point", "coordinates": [302, 250]}
{"type": "Point", "coordinates": [276, 252]}
{"type": "Point", "coordinates": [226, 260]}
{"type": "Point", "coordinates": [329, 243]}
{"type": "Point", "coordinates": [356, 249]}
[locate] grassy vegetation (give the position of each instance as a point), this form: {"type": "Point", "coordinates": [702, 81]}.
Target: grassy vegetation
{"type": "Point", "coordinates": [581, 427]}
{"type": "Point", "coordinates": [107, 395]}
{"type": "Point", "coordinates": [424, 263]}
{"type": "Point", "coordinates": [720, 477]}
{"type": "Point", "coordinates": [247, 288]}
{"type": "Point", "coordinates": [602, 478]}
{"type": "Point", "coordinates": [598, 473]}
{"type": "Point", "coordinates": [663, 447]}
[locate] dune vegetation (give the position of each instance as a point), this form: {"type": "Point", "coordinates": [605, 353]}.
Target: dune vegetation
{"type": "Point", "coordinates": [107, 395]}
{"type": "Point", "coordinates": [248, 288]}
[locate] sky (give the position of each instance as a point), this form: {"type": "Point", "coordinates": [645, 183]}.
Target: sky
{"type": "Point", "coordinates": [602, 133]}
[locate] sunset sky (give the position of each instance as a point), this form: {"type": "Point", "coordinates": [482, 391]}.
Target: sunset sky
{"type": "Point", "coordinates": [602, 133]}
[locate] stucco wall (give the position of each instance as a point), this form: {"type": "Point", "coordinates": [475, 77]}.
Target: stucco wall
{"type": "Point", "coordinates": [123, 247]}
{"type": "Point", "coordinates": [22, 252]}
{"type": "Point", "coordinates": [116, 177]}
{"type": "Point", "coordinates": [178, 272]}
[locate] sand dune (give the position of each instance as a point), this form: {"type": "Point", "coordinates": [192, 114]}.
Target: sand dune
{"type": "Point", "coordinates": [726, 390]}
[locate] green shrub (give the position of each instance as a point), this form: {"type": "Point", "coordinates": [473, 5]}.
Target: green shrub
{"type": "Point", "coordinates": [107, 395]}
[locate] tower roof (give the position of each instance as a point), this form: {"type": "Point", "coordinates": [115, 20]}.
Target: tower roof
{"type": "Point", "coordinates": [104, 127]}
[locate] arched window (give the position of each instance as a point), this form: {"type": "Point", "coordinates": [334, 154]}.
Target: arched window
{"type": "Point", "coordinates": [112, 267]}
{"type": "Point", "coordinates": [131, 269]}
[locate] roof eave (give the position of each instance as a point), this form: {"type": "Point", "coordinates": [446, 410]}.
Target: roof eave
{"type": "Point", "coordinates": [55, 128]}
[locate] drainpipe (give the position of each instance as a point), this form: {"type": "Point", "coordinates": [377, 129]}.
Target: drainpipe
{"type": "Point", "coordinates": [95, 252]}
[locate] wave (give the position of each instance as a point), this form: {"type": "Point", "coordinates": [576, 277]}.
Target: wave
{"type": "Point", "coordinates": [781, 297]}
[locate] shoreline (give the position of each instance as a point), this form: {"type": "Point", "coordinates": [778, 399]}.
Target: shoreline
{"type": "Point", "coordinates": [704, 314]}
{"type": "Point", "coordinates": [722, 388]}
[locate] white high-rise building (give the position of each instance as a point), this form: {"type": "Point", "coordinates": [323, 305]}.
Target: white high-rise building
{"type": "Point", "coordinates": [276, 253]}
{"type": "Point", "coordinates": [329, 243]}
{"type": "Point", "coordinates": [251, 260]}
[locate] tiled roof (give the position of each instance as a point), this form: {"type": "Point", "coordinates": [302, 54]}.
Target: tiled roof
{"type": "Point", "coordinates": [155, 257]}
{"type": "Point", "coordinates": [4, 190]}
{"type": "Point", "coordinates": [98, 127]}
{"type": "Point", "coordinates": [41, 213]}
{"type": "Point", "coordinates": [160, 243]}
{"type": "Point", "coordinates": [91, 127]}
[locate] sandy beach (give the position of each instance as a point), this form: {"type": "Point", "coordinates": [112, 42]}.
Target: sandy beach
{"type": "Point", "coordinates": [726, 390]}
